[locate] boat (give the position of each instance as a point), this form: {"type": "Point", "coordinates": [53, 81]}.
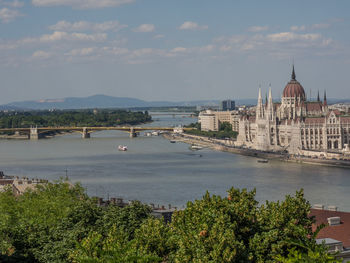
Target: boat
{"type": "Point", "coordinates": [263, 161]}
{"type": "Point", "coordinates": [172, 141]}
{"type": "Point", "coordinates": [195, 147]}
{"type": "Point", "coordinates": [122, 148]}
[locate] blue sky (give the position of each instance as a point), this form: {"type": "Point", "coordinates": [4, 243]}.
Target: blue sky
{"type": "Point", "coordinates": [171, 50]}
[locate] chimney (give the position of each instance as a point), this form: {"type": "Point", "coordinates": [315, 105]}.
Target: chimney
{"type": "Point", "coordinates": [332, 208]}
{"type": "Point", "coordinates": [318, 206]}
{"type": "Point", "coordinates": [333, 221]}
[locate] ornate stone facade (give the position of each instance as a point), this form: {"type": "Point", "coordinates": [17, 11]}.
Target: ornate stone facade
{"type": "Point", "coordinates": [295, 125]}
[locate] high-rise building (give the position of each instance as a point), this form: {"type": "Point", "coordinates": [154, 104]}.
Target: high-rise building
{"type": "Point", "coordinates": [228, 105]}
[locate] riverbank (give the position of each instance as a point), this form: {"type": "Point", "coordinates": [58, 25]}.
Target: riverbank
{"type": "Point", "coordinates": [228, 146]}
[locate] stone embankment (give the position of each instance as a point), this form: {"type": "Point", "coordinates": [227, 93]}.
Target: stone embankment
{"type": "Point", "coordinates": [228, 146]}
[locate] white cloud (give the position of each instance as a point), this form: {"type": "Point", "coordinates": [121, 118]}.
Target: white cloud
{"type": "Point", "coordinates": [8, 15]}
{"type": "Point", "coordinates": [312, 27]}
{"type": "Point", "coordinates": [13, 3]}
{"type": "Point", "coordinates": [290, 36]}
{"type": "Point", "coordinates": [179, 50]}
{"type": "Point", "coordinates": [41, 54]}
{"type": "Point", "coordinates": [59, 35]}
{"type": "Point", "coordinates": [145, 28]}
{"type": "Point", "coordinates": [82, 4]}
{"type": "Point", "coordinates": [258, 28]}
{"type": "Point", "coordinates": [81, 51]}
{"type": "Point", "coordinates": [87, 26]}
{"type": "Point", "coordinates": [298, 28]}
{"type": "Point", "coordinates": [189, 25]}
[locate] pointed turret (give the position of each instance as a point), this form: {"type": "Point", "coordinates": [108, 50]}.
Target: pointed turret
{"type": "Point", "coordinates": [259, 107]}
{"type": "Point", "coordinates": [293, 74]}
{"type": "Point", "coordinates": [325, 99]}
{"type": "Point", "coordinates": [318, 96]}
{"type": "Point", "coordinates": [270, 110]}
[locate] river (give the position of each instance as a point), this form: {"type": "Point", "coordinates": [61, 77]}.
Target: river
{"type": "Point", "coordinates": [153, 170]}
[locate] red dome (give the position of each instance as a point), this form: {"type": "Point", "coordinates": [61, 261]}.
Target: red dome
{"type": "Point", "coordinates": [294, 89]}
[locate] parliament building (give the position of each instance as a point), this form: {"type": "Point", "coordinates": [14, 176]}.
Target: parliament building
{"type": "Point", "coordinates": [295, 125]}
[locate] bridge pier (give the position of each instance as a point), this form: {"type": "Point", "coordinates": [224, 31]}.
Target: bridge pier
{"type": "Point", "coordinates": [33, 135]}
{"type": "Point", "coordinates": [132, 133]}
{"type": "Point", "coordinates": [85, 133]}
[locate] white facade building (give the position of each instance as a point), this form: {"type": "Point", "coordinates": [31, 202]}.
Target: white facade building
{"type": "Point", "coordinates": [210, 120]}
{"type": "Point", "coordinates": [294, 125]}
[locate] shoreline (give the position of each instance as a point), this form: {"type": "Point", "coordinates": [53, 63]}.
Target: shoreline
{"type": "Point", "coordinates": [224, 146]}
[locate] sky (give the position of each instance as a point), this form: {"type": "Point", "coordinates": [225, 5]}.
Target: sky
{"type": "Point", "coordinates": [175, 50]}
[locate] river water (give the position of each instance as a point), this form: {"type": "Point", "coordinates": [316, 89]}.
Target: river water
{"type": "Point", "coordinates": [154, 170]}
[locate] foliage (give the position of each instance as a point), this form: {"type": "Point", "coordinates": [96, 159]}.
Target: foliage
{"type": "Point", "coordinates": [25, 220]}
{"type": "Point", "coordinates": [196, 125]}
{"type": "Point", "coordinates": [45, 225]}
{"type": "Point", "coordinates": [225, 126]}
{"type": "Point", "coordinates": [59, 223]}
{"type": "Point", "coordinates": [215, 229]}
{"type": "Point", "coordinates": [224, 132]}
{"type": "Point", "coordinates": [84, 118]}
{"type": "Point", "coordinates": [115, 247]}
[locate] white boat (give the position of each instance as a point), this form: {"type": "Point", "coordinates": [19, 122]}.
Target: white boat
{"type": "Point", "coordinates": [263, 161]}
{"type": "Point", "coordinates": [122, 148]}
{"type": "Point", "coordinates": [195, 147]}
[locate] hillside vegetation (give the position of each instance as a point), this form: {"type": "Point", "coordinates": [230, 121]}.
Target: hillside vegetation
{"type": "Point", "coordinates": [60, 223]}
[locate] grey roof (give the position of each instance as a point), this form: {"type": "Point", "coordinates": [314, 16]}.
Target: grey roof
{"type": "Point", "coordinates": [327, 241]}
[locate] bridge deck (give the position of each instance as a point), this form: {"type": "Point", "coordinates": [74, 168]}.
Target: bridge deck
{"type": "Point", "coordinates": [124, 128]}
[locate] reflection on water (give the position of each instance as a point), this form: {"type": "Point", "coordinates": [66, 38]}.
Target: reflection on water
{"type": "Point", "coordinates": [155, 170]}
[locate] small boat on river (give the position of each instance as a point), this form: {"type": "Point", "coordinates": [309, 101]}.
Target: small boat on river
{"type": "Point", "coordinates": [122, 148]}
{"type": "Point", "coordinates": [172, 141]}
{"type": "Point", "coordinates": [263, 161]}
{"type": "Point", "coordinates": [195, 147]}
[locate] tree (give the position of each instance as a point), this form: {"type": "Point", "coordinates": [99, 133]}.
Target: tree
{"type": "Point", "coordinates": [225, 126]}
{"type": "Point", "coordinates": [58, 223]}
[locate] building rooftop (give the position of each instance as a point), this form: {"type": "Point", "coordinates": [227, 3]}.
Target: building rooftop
{"type": "Point", "coordinates": [339, 232]}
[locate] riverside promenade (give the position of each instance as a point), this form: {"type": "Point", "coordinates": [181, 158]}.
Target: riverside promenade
{"type": "Point", "coordinates": [228, 146]}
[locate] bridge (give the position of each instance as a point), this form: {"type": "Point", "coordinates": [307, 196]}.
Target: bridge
{"type": "Point", "coordinates": [35, 133]}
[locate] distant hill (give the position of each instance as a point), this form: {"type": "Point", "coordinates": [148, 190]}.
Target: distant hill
{"type": "Point", "coordinates": [103, 101]}
{"type": "Point", "coordinates": [97, 101]}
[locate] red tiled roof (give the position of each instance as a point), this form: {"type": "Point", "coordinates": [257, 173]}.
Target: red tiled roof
{"type": "Point", "coordinates": [339, 232]}
{"type": "Point", "coordinates": [314, 120]}
{"type": "Point", "coordinates": [345, 119]}
{"type": "Point", "coordinates": [337, 112]}
{"type": "Point", "coordinates": [314, 106]}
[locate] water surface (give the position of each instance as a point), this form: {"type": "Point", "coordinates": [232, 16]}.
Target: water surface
{"type": "Point", "coordinates": [154, 170]}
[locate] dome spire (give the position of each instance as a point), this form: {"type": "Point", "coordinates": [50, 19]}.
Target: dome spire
{"type": "Point", "coordinates": [293, 73]}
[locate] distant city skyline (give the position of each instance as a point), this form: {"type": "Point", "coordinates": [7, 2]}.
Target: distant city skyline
{"type": "Point", "coordinates": [180, 50]}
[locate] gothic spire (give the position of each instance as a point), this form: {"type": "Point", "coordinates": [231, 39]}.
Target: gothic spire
{"type": "Point", "coordinates": [259, 108]}
{"type": "Point", "coordinates": [318, 96]}
{"type": "Point", "coordinates": [325, 99]}
{"type": "Point", "coordinates": [293, 73]}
